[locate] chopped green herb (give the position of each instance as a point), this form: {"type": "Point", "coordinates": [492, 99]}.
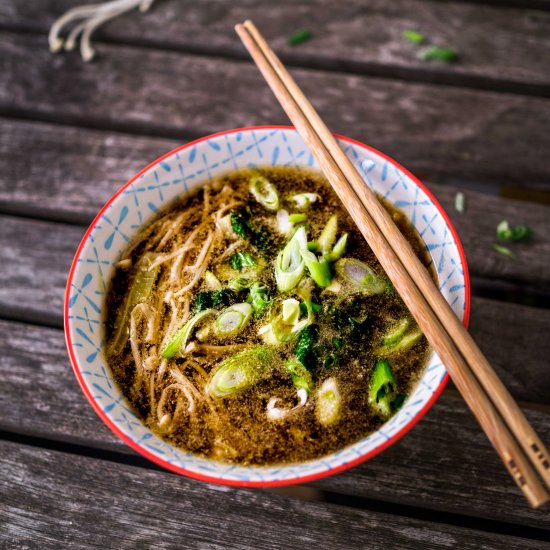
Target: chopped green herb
{"type": "Point", "coordinates": [258, 297]}
{"type": "Point", "coordinates": [517, 233]}
{"type": "Point", "coordinates": [413, 36]}
{"type": "Point", "coordinates": [304, 346]}
{"type": "Point", "coordinates": [337, 342]}
{"type": "Point", "coordinates": [504, 250]}
{"type": "Point", "coordinates": [238, 224]}
{"type": "Point", "coordinates": [241, 225]}
{"type": "Point", "coordinates": [299, 37]}
{"type": "Point", "coordinates": [239, 260]}
{"type": "Point", "coordinates": [460, 202]}
{"type": "Point", "coordinates": [445, 55]}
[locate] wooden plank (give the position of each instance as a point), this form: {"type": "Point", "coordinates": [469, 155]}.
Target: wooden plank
{"type": "Point", "coordinates": [497, 47]}
{"type": "Point", "coordinates": [431, 130]}
{"type": "Point", "coordinates": [455, 468]}
{"type": "Point", "coordinates": [51, 499]}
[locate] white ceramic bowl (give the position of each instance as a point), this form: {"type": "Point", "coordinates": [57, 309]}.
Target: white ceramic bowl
{"type": "Point", "coordinates": [174, 175]}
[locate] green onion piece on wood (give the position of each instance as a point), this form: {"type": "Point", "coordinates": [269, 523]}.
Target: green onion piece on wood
{"type": "Point", "coordinates": [299, 37]}
{"type": "Point", "coordinates": [240, 371]}
{"type": "Point", "coordinates": [445, 55]}
{"type": "Point", "coordinates": [413, 36]}
{"type": "Point", "coordinates": [382, 388]}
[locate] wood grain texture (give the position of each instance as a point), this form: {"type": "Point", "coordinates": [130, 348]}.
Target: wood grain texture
{"type": "Point", "coordinates": [444, 131]}
{"type": "Point", "coordinates": [456, 472]}
{"type": "Point", "coordinates": [51, 499]}
{"type": "Point", "coordinates": [496, 46]}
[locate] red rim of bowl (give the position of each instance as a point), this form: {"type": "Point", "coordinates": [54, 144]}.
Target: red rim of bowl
{"type": "Point", "coordinates": [244, 483]}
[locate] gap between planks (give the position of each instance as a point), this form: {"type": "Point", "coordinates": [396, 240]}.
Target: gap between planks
{"type": "Point", "coordinates": [305, 492]}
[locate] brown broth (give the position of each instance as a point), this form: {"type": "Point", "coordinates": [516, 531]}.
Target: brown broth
{"type": "Point", "coordinates": [237, 429]}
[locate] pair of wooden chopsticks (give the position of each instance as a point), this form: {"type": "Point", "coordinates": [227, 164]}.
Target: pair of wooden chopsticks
{"type": "Point", "coordinates": [517, 444]}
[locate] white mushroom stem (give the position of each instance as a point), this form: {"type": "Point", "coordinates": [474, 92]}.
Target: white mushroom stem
{"type": "Point", "coordinates": [92, 16]}
{"type": "Point", "coordinates": [278, 413]}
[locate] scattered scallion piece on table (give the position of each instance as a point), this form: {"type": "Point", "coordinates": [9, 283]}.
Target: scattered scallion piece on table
{"type": "Point", "coordinates": [299, 37]}
{"type": "Point", "coordinates": [515, 233]}
{"type": "Point", "coordinates": [460, 202]}
{"type": "Point", "coordinates": [413, 36]}
{"type": "Point", "coordinates": [445, 55]}
{"type": "Point", "coordinates": [504, 250]}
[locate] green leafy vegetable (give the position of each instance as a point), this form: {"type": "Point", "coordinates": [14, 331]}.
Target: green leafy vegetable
{"type": "Point", "coordinates": [304, 349]}
{"type": "Point", "coordinates": [239, 260]}
{"type": "Point", "coordinates": [139, 291]}
{"type": "Point", "coordinates": [504, 250]}
{"type": "Point", "coordinates": [208, 299]}
{"type": "Point", "coordinates": [413, 36]}
{"type": "Point", "coordinates": [239, 283]}
{"type": "Point", "coordinates": [289, 265]}
{"type": "Point", "coordinates": [232, 320]}
{"type": "Point", "coordinates": [301, 378]}
{"type": "Point", "coordinates": [259, 297]}
{"type": "Point", "coordinates": [460, 202]}
{"type": "Point", "coordinates": [382, 388]}
{"type": "Point", "coordinates": [178, 341]}
{"type": "Point", "coordinates": [240, 371]}
{"type": "Point", "coordinates": [315, 308]}
{"type": "Point", "coordinates": [264, 192]}
{"type": "Point", "coordinates": [445, 55]}
{"type": "Point", "coordinates": [516, 233]}
{"type": "Point", "coordinates": [299, 37]}
{"type": "Point", "coordinates": [244, 228]}
{"type": "Point", "coordinates": [328, 402]}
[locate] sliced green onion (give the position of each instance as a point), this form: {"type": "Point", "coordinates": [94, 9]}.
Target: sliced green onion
{"type": "Point", "coordinates": [338, 249]}
{"type": "Point", "coordinates": [301, 378]}
{"type": "Point", "coordinates": [179, 338]}
{"type": "Point", "coordinates": [319, 269]}
{"type": "Point", "coordinates": [232, 320]}
{"type": "Point", "coordinates": [517, 233]}
{"type": "Point", "coordinates": [139, 291]}
{"type": "Point", "coordinates": [264, 192]}
{"type": "Point", "coordinates": [402, 344]}
{"type": "Point", "coordinates": [328, 402]}
{"type": "Point", "coordinates": [258, 297]}
{"type": "Point", "coordinates": [211, 281]}
{"type": "Point", "coordinates": [460, 202]}
{"type": "Point", "coordinates": [328, 236]}
{"type": "Point", "coordinates": [313, 246]}
{"type": "Point", "coordinates": [240, 371]}
{"type": "Point", "coordinates": [239, 283]}
{"type": "Point", "coordinates": [396, 331]}
{"type": "Point", "coordinates": [382, 387]}
{"type": "Point", "coordinates": [413, 36]}
{"type": "Point", "coordinates": [299, 37]}
{"type": "Point", "coordinates": [297, 218]}
{"type": "Point", "coordinates": [283, 222]}
{"type": "Point", "coordinates": [504, 250]}
{"type": "Point", "coordinates": [291, 311]}
{"type": "Point", "coordinates": [304, 200]}
{"type": "Point", "coordinates": [446, 55]}
{"type": "Point", "coordinates": [360, 276]}
{"type": "Point", "coordinates": [240, 260]}
{"type": "Point", "coordinates": [289, 265]}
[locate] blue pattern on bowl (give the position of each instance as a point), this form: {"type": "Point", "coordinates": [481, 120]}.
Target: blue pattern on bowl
{"type": "Point", "coordinates": [173, 177]}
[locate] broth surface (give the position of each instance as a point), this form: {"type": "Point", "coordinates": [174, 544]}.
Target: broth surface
{"type": "Point", "coordinates": [192, 249]}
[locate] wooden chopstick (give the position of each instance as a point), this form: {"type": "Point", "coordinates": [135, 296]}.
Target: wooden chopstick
{"type": "Point", "coordinates": [370, 216]}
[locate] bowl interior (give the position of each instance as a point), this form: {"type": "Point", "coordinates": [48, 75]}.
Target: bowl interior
{"type": "Point", "coordinates": [174, 176]}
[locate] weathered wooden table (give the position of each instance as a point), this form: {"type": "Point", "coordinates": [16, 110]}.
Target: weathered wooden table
{"type": "Point", "coordinates": [71, 134]}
